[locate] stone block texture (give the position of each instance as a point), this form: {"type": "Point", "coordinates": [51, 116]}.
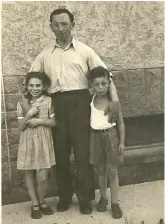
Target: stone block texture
{"type": "Point", "coordinates": [128, 36]}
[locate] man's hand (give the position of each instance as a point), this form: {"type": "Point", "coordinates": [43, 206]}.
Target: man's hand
{"type": "Point", "coordinates": [33, 122]}
{"type": "Point", "coordinates": [112, 109]}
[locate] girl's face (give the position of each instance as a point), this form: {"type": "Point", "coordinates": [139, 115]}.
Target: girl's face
{"type": "Point", "coordinates": [100, 85]}
{"type": "Point", "coordinates": [35, 88]}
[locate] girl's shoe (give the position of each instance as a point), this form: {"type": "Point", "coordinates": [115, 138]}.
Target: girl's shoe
{"type": "Point", "coordinates": [45, 209]}
{"type": "Point", "coordinates": [116, 211]}
{"type": "Point", "coordinates": [102, 205]}
{"type": "Point", "coordinates": [36, 213]}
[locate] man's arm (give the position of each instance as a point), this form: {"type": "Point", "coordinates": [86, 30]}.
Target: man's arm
{"type": "Point", "coordinates": [113, 92]}
{"type": "Point", "coordinates": [38, 64]}
{"type": "Point", "coordinates": [93, 61]}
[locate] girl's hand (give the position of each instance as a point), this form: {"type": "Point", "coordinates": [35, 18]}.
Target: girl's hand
{"type": "Point", "coordinates": [121, 148]}
{"type": "Point", "coordinates": [33, 111]}
{"type": "Point", "coordinates": [33, 122]}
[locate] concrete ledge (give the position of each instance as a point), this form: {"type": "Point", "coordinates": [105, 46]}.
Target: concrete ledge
{"type": "Point", "coordinates": [142, 163]}
{"type": "Point", "coordinates": [144, 153]}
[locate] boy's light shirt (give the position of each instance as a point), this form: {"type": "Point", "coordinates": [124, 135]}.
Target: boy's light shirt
{"type": "Point", "coordinates": [98, 120]}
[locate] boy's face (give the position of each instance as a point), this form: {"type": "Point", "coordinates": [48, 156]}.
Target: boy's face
{"type": "Point", "coordinates": [100, 85]}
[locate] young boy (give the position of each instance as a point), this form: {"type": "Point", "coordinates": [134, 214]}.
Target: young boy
{"type": "Point", "coordinates": [107, 141]}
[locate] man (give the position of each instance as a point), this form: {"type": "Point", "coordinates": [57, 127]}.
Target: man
{"type": "Point", "coordinates": [67, 62]}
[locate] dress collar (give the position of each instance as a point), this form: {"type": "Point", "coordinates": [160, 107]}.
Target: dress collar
{"type": "Point", "coordinates": [37, 100]}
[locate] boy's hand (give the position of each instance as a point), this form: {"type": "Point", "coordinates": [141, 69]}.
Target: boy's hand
{"type": "Point", "coordinates": [112, 109]}
{"type": "Point", "coordinates": [121, 148]}
{"type": "Point", "coordinates": [33, 122]}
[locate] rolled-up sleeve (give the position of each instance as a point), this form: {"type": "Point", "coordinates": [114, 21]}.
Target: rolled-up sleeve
{"type": "Point", "coordinates": [38, 64]}
{"type": "Point", "coordinates": [94, 60]}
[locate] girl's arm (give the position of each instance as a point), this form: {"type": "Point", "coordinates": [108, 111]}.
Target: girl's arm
{"type": "Point", "coordinates": [49, 122]}
{"type": "Point", "coordinates": [26, 104]}
{"type": "Point", "coordinates": [121, 129]}
{"type": "Point", "coordinates": [33, 122]}
{"type": "Point", "coordinates": [22, 123]}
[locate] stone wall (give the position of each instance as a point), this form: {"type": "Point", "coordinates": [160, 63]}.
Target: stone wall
{"type": "Point", "coordinates": [128, 36]}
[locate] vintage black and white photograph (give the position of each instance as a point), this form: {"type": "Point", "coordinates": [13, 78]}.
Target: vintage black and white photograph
{"type": "Point", "coordinates": [82, 112]}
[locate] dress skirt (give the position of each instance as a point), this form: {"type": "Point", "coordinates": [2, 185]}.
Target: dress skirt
{"type": "Point", "coordinates": [36, 149]}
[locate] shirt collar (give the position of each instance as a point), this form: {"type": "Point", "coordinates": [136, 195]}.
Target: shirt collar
{"type": "Point", "coordinates": [72, 43]}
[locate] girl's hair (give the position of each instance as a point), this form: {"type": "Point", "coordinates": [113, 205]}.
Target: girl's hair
{"type": "Point", "coordinates": [98, 72]}
{"type": "Point", "coordinates": [38, 75]}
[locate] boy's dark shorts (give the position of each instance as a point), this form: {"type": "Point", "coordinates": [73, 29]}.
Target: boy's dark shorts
{"type": "Point", "coordinates": [104, 147]}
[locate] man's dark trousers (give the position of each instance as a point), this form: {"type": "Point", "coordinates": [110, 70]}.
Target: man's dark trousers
{"type": "Point", "coordinates": [72, 114]}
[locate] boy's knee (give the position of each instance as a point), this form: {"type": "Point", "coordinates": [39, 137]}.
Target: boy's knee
{"type": "Point", "coordinates": [112, 172]}
{"type": "Point", "coordinates": [100, 170]}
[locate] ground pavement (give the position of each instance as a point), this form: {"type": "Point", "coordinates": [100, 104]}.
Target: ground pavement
{"type": "Point", "coordinates": [139, 202]}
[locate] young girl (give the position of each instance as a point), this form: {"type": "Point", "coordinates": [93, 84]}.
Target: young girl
{"type": "Point", "coordinates": [36, 151]}
{"type": "Point", "coordinates": [105, 149]}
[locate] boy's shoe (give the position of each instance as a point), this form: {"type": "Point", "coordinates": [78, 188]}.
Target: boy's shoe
{"type": "Point", "coordinates": [45, 209]}
{"type": "Point", "coordinates": [36, 213]}
{"type": "Point", "coordinates": [116, 211]}
{"type": "Point", "coordinates": [102, 205]}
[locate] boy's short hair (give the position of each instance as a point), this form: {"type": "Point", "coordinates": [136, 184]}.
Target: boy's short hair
{"type": "Point", "coordinates": [98, 72]}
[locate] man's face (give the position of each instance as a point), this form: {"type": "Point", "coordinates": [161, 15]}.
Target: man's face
{"type": "Point", "coordinates": [62, 26]}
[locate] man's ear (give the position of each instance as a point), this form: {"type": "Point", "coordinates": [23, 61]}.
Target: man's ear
{"type": "Point", "coordinates": [90, 83]}
{"type": "Point", "coordinates": [51, 27]}
{"type": "Point", "coordinates": [73, 24]}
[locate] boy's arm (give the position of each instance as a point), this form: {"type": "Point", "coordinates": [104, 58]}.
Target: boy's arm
{"type": "Point", "coordinates": [121, 129]}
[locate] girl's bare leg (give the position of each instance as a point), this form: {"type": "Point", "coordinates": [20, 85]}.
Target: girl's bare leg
{"type": "Point", "coordinates": [30, 182]}
{"type": "Point", "coordinates": [42, 179]}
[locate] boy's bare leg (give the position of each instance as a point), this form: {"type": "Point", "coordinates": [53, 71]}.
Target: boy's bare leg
{"type": "Point", "coordinates": [102, 179]}
{"type": "Point", "coordinates": [114, 183]}
{"type": "Point", "coordinates": [30, 182]}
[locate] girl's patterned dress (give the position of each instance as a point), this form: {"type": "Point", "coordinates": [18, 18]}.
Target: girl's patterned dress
{"type": "Point", "coordinates": [36, 149]}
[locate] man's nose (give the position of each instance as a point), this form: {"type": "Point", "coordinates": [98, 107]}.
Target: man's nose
{"type": "Point", "coordinates": [100, 86]}
{"type": "Point", "coordinates": [60, 27]}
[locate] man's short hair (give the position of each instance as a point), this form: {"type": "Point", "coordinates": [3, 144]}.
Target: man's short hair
{"type": "Point", "coordinates": [60, 11]}
{"type": "Point", "coordinates": [98, 72]}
